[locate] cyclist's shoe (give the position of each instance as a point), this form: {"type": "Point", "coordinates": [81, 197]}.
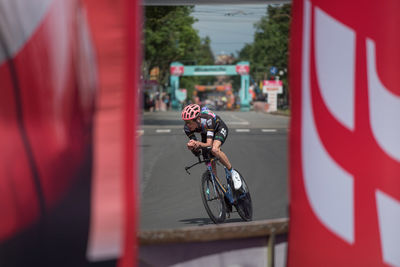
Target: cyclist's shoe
{"type": "Point", "coordinates": [237, 182]}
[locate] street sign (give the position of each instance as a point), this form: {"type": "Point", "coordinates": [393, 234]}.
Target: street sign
{"type": "Point", "coordinates": [273, 70]}
{"type": "Point", "coordinates": [272, 86]}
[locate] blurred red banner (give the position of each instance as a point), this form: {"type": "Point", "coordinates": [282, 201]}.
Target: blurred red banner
{"type": "Point", "coordinates": [344, 145]}
{"type": "Point", "coordinates": [63, 65]}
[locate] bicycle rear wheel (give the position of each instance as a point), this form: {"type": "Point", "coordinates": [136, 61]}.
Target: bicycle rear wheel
{"type": "Point", "coordinates": [244, 205]}
{"type": "Point", "coordinates": [213, 199]}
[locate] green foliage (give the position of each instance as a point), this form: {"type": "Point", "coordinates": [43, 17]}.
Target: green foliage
{"type": "Point", "coordinates": [169, 36]}
{"type": "Point", "coordinates": [270, 46]}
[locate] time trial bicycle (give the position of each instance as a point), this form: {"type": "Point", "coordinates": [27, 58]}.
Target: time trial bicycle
{"type": "Point", "coordinates": [219, 198]}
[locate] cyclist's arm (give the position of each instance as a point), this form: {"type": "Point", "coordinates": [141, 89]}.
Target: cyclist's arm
{"type": "Point", "coordinates": [189, 134]}
{"type": "Point", "coordinates": [208, 143]}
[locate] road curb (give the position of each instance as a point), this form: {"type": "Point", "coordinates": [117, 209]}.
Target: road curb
{"type": "Point", "coordinates": [215, 232]}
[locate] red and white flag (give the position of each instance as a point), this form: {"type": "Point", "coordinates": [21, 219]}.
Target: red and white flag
{"type": "Point", "coordinates": [345, 134]}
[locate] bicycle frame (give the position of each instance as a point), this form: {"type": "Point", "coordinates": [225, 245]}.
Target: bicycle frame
{"type": "Point", "coordinates": [227, 192]}
{"type": "Point", "coordinates": [231, 197]}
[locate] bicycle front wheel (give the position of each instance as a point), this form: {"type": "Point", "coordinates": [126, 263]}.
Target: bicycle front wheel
{"type": "Point", "coordinates": [244, 205]}
{"type": "Point", "coordinates": [213, 199]}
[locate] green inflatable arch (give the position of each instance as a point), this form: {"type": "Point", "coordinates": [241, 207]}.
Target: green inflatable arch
{"type": "Point", "coordinates": [177, 69]}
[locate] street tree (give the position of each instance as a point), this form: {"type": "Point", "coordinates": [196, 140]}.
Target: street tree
{"type": "Point", "coordinates": [270, 45]}
{"type": "Point", "coordinates": [169, 36]}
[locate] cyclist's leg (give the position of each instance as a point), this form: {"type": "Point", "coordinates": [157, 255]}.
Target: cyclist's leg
{"type": "Point", "coordinates": [205, 154]}
{"type": "Point", "coordinates": [216, 150]}
{"type": "Point", "coordinates": [220, 136]}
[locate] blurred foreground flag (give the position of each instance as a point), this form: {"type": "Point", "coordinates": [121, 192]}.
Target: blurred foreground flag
{"type": "Point", "coordinates": [345, 134]}
{"type": "Point", "coordinates": [68, 70]}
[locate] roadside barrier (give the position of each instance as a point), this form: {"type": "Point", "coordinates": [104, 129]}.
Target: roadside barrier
{"type": "Point", "coordinates": [257, 243]}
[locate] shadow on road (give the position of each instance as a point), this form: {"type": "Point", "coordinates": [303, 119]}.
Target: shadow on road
{"type": "Point", "coordinates": [197, 221]}
{"type": "Point", "coordinates": [206, 221]}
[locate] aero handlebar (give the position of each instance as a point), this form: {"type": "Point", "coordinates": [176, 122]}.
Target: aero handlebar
{"type": "Point", "coordinates": [207, 149]}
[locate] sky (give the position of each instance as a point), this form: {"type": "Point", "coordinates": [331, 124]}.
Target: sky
{"type": "Point", "coordinates": [229, 27]}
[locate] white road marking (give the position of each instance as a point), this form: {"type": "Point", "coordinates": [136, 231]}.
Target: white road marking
{"type": "Point", "coordinates": [239, 121]}
{"type": "Point", "coordinates": [242, 130]}
{"type": "Point", "coordinates": [163, 130]}
{"type": "Point", "coordinates": [268, 130]}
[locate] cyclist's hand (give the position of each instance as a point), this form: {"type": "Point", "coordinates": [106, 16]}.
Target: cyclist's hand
{"type": "Point", "coordinates": [192, 144]}
{"type": "Point", "coordinates": [196, 144]}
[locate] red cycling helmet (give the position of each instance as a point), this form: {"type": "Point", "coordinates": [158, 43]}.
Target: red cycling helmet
{"type": "Point", "coordinates": [190, 112]}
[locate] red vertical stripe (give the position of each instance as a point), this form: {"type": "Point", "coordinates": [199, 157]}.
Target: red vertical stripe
{"type": "Point", "coordinates": [132, 19]}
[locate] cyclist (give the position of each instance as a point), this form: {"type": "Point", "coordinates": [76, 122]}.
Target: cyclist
{"type": "Point", "coordinates": [213, 134]}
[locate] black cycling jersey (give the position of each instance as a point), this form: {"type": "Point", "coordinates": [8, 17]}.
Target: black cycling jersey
{"type": "Point", "coordinates": [211, 126]}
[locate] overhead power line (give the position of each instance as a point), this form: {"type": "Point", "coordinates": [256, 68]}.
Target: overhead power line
{"type": "Point", "coordinates": [209, 2]}
{"type": "Point", "coordinates": [227, 31]}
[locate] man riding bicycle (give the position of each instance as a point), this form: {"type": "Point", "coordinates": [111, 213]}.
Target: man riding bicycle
{"type": "Point", "coordinates": [213, 134]}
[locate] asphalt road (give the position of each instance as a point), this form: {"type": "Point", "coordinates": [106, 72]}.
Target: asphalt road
{"type": "Point", "coordinates": [170, 198]}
